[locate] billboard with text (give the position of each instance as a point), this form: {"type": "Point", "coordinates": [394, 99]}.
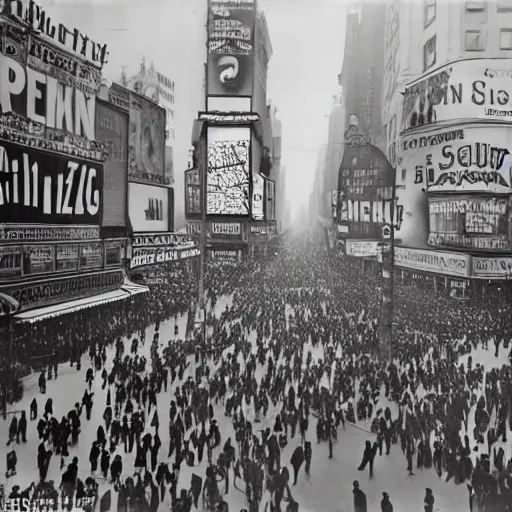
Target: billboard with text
{"type": "Point", "coordinates": [148, 208]}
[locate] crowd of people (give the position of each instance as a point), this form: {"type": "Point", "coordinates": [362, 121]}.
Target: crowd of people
{"type": "Point", "coordinates": [444, 415]}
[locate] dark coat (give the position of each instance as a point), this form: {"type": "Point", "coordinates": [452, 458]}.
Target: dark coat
{"type": "Point", "coordinates": [359, 501]}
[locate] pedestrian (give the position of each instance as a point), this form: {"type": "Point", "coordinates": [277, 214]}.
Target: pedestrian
{"type": "Point", "coordinates": [13, 430]}
{"type": "Point", "coordinates": [359, 498]}
{"type": "Point", "coordinates": [429, 500]}
{"type": "Point", "coordinates": [368, 457]}
{"type": "Point", "coordinates": [308, 453]}
{"type": "Point", "coordinates": [33, 409]}
{"type": "Point", "coordinates": [385, 504]}
{"type": "Point", "coordinates": [22, 428]}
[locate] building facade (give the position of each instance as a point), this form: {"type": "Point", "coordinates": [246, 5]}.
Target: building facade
{"type": "Point", "coordinates": [447, 116]}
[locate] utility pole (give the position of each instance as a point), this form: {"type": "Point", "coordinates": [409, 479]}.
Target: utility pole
{"type": "Point", "coordinates": [203, 243]}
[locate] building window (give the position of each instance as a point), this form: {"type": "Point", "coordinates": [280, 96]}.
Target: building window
{"type": "Point", "coordinates": [476, 12]}
{"type": "Point", "coordinates": [404, 174]}
{"type": "Point", "coordinates": [430, 12]}
{"type": "Point", "coordinates": [506, 39]}
{"type": "Point", "coordinates": [429, 53]}
{"type": "Point", "coordinates": [504, 6]}
{"type": "Point", "coordinates": [474, 41]}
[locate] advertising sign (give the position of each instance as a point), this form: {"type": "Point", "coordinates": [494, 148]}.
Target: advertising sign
{"type": "Point", "coordinates": [66, 257]}
{"type": "Point", "coordinates": [226, 229]}
{"type": "Point", "coordinates": [10, 260]}
{"type": "Point", "coordinates": [224, 256]}
{"type": "Point", "coordinates": [492, 267]}
{"type": "Point", "coordinates": [38, 233]}
{"type": "Point", "coordinates": [46, 188]}
{"type": "Point", "coordinates": [151, 256]}
{"type": "Point", "coordinates": [361, 248]}
{"type": "Point", "coordinates": [192, 192]}
{"type": "Point", "coordinates": [433, 261]}
{"type": "Point", "coordinates": [91, 255]}
{"type": "Point", "coordinates": [146, 141]}
{"type": "Point", "coordinates": [477, 163]}
{"type": "Point", "coordinates": [476, 222]}
{"type": "Point", "coordinates": [230, 47]}
{"type": "Point", "coordinates": [467, 89]}
{"type": "Point", "coordinates": [44, 99]}
{"type": "Point", "coordinates": [112, 128]}
{"type": "Point", "coordinates": [113, 252]}
{"type": "Point", "coordinates": [228, 190]}
{"type": "Point", "coordinates": [38, 259]}
{"type": "Point", "coordinates": [258, 192]}
{"type": "Point", "coordinates": [270, 204]}
{"type": "Point", "coordinates": [162, 239]}
{"type": "Point", "coordinates": [148, 208]}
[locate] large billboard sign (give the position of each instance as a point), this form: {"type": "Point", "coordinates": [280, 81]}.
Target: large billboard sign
{"type": "Point", "coordinates": [476, 160]}
{"type": "Point", "coordinates": [467, 89]}
{"type": "Point", "coordinates": [230, 47]}
{"type": "Point", "coordinates": [112, 128]}
{"type": "Point", "coordinates": [146, 141]}
{"type": "Point", "coordinates": [228, 175]}
{"type": "Point", "coordinates": [148, 207]}
{"type": "Point", "coordinates": [46, 188]}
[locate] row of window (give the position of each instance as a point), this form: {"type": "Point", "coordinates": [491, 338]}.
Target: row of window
{"type": "Point", "coordinates": [475, 40]}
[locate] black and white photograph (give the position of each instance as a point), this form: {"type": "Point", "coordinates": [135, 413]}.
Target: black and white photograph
{"type": "Point", "coordinates": [255, 256]}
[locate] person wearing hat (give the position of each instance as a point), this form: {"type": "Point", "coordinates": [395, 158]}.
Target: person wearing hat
{"type": "Point", "coordinates": [359, 498]}
{"type": "Point", "coordinates": [385, 504]}
{"type": "Point", "coordinates": [429, 500]}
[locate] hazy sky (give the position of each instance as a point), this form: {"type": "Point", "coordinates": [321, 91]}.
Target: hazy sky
{"type": "Point", "coordinates": [307, 38]}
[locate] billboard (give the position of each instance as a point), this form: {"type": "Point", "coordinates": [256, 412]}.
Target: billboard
{"type": "Point", "coordinates": [258, 192]}
{"type": "Point", "coordinates": [112, 128]}
{"type": "Point", "coordinates": [490, 267]}
{"type": "Point", "coordinates": [226, 256]}
{"type": "Point", "coordinates": [226, 229]}
{"type": "Point", "coordinates": [192, 192]}
{"type": "Point", "coordinates": [433, 261]}
{"type": "Point", "coordinates": [228, 175]}
{"type": "Point", "coordinates": [230, 47]}
{"type": "Point", "coordinates": [361, 248]}
{"type": "Point", "coordinates": [467, 89]}
{"type": "Point", "coordinates": [146, 141]}
{"type": "Point", "coordinates": [270, 202]}
{"type": "Point", "coordinates": [148, 207]}
{"type": "Point", "coordinates": [465, 221]}
{"type": "Point", "coordinates": [471, 160]}
{"type": "Point", "coordinates": [47, 188]}
{"type": "Point", "coordinates": [153, 255]}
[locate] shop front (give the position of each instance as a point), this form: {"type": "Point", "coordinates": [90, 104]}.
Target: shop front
{"type": "Point", "coordinates": [492, 277]}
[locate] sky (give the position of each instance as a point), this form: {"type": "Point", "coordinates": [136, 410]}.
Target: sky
{"type": "Point", "coordinates": [307, 38]}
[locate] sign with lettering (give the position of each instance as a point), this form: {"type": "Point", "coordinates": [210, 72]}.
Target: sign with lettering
{"type": "Point", "coordinates": [477, 163]}
{"type": "Point", "coordinates": [225, 256]}
{"type": "Point", "coordinates": [10, 260]}
{"type": "Point", "coordinates": [48, 188]}
{"type": "Point", "coordinates": [361, 248]}
{"type": "Point", "coordinates": [192, 192]}
{"type": "Point", "coordinates": [38, 259]}
{"type": "Point", "coordinates": [91, 255]}
{"type": "Point", "coordinates": [433, 261]}
{"type": "Point", "coordinates": [467, 89]}
{"type": "Point", "coordinates": [162, 240]}
{"type": "Point", "coordinates": [148, 208]}
{"type": "Point", "coordinates": [226, 228]}
{"type": "Point", "coordinates": [66, 257]}
{"type": "Point", "coordinates": [225, 118]}
{"type": "Point", "coordinates": [151, 256]}
{"type": "Point", "coordinates": [492, 267]}
{"type": "Point", "coordinates": [424, 141]}
{"type": "Point", "coordinates": [37, 233]}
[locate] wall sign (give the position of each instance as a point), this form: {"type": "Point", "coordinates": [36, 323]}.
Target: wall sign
{"type": "Point", "coordinates": [193, 228]}
{"type": "Point", "coordinates": [10, 260]}
{"type": "Point", "coordinates": [492, 267]}
{"type": "Point", "coordinates": [38, 259]}
{"type": "Point", "coordinates": [119, 96]}
{"type": "Point", "coordinates": [113, 250]}
{"type": "Point", "coordinates": [56, 291]}
{"type": "Point", "coordinates": [225, 118]}
{"type": "Point", "coordinates": [38, 233]}
{"type": "Point", "coordinates": [91, 255]}
{"type": "Point", "coordinates": [424, 141]}
{"type": "Point", "coordinates": [66, 257]}
{"type": "Point", "coordinates": [13, 40]}
{"type": "Point", "coordinates": [467, 89]}
{"type": "Point", "coordinates": [151, 256]}
{"type": "Point", "coordinates": [433, 261]}
{"type": "Point", "coordinates": [258, 191]}
{"type": "Point", "coordinates": [361, 248]}
{"type": "Point", "coordinates": [230, 257]}
{"type": "Point", "coordinates": [148, 207]}
{"type": "Point", "coordinates": [48, 188]}
{"type": "Point", "coordinates": [161, 239]}
{"type": "Point", "coordinates": [192, 192]}
{"type": "Point", "coordinates": [226, 228]}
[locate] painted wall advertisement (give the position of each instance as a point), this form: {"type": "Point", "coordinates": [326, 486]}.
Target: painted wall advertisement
{"type": "Point", "coordinates": [153, 255]}
{"type": "Point", "coordinates": [146, 160]}
{"type": "Point", "coordinates": [46, 188]}
{"type": "Point", "coordinates": [361, 248]}
{"type": "Point", "coordinates": [148, 208]}
{"type": "Point", "coordinates": [490, 267]}
{"type": "Point", "coordinates": [192, 192]}
{"type": "Point", "coordinates": [477, 160]}
{"type": "Point", "coordinates": [229, 229]}
{"type": "Point", "coordinates": [228, 171]}
{"type": "Point", "coordinates": [433, 261]}
{"type": "Point", "coordinates": [230, 47]}
{"type": "Point", "coordinates": [112, 128]}
{"type": "Point", "coordinates": [467, 89]}
{"type": "Point", "coordinates": [476, 222]}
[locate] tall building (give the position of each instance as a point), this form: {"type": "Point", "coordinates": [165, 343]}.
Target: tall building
{"type": "Point", "coordinates": [447, 113]}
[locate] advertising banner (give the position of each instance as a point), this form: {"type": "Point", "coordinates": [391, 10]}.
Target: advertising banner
{"type": "Point", "coordinates": [225, 256]}
{"type": "Point", "coordinates": [361, 248]}
{"type": "Point", "coordinates": [40, 97]}
{"type": "Point", "coordinates": [478, 162]}
{"type": "Point", "coordinates": [230, 47]}
{"type": "Point", "coordinates": [467, 89]}
{"type": "Point", "coordinates": [433, 261]}
{"type": "Point", "coordinates": [162, 239]}
{"type": "Point", "coordinates": [91, 255]}
{"type": "Point", "coordinates": [492, 267]}
{"type": "Point", "coordinates": [148, 208]}
{"type": "Point", "coordinates": [270, 204]}
{"type": "Point", "coordinates": [258, 191]}
{"type": "Point", "coordinates": [476, 222]}
{"type": "Point", "coordinates": [151, 256]}
{"type": "Point", "coordinates": [228, 188]}
{"type": "Point", "coordinates": [38, 259]}
{"type": "Point", "coordinates": [146, 141]}
{"type": "Point", "coordinates": [10, 260]}
{"type": "Point", "coordinates": [230, 229]}
{"type": "Point", "coordinates": [192, 192]}
{"type": "Point", "coordinates": [46, 188]}
{"type": "Point", "coordinates": [66, 257]}
{"type": "Point", "coordinates": [112, 128]}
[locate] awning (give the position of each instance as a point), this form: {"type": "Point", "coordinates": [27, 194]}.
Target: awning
{"type": "Point", "coordinates": [133, 288]}
{"type": "Point", "coordinates": [8, 305]}
{"type": "Point", "coordinates": [69, 307]}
